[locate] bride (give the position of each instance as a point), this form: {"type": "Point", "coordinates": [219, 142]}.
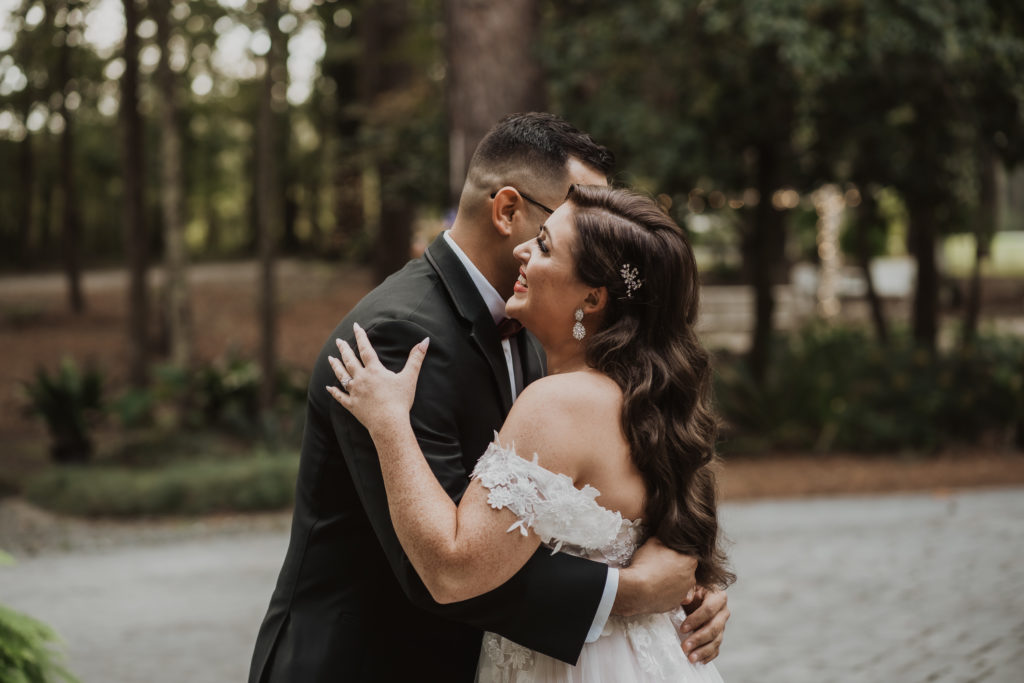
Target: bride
{"type": "Point", "coordinates": [616, 444]}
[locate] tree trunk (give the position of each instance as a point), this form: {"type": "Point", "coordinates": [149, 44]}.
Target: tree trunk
{"type": "Point", "coordinates": [49, 194]}
{"type": "Point", "coordinates": [394, 238]}
{"type": "Point", "coordinates": [135, 232]}
{"type": "Point", "coordinates": [212, 241]}
{"type": "Point", "coordinates": [314, 185]}
{"type": "Point", "coordinates": [382, 30]}
{"type": "Point", "coordinates": [268, 203]}
{"type": "Point", "coordinates": [288, 241]}
{"type": "Point", "coordinates": [349, 217]}
{"type": "Point", "coordinates": [290, 238]}
{"type": "Point", "coordinates": [172, 199]}
{"type": "Point", "coordinates": [26, 194]}
{"type": "Point", "coordinates": [763, 249]}
{"type": "Point", "coordinates": [492, 71]}
{"type": "Point", "coordinates": [921, 213]}
{"type": "Point", "coordinates": [71, 230]}
{"type": "Point", "coordinates": [345, 175]}
{"type": "Point", "coordinates": [984, 227]}
{"type": "Point", "coordinates": [867, 214]}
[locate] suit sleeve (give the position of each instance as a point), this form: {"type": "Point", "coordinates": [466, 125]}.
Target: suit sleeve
{"type": "Point", "coordinates": [549, 605]}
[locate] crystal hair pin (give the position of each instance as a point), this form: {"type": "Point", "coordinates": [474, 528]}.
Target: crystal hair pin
{"type": "Point", "coordinates": [631, 277]}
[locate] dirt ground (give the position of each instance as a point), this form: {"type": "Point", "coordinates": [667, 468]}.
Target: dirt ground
{"type": "Point", "coordinates": [36, 329]}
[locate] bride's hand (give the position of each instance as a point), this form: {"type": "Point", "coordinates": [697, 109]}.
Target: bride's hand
{"type": "Point", "coordinates": [376, 396]}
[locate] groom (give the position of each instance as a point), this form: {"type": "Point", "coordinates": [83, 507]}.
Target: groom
{"type": "Point", "coordinates": [348, 604]}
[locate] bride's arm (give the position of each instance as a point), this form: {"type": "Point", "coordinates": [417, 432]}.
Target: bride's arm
{"type": "Point", "coordinates": [459, 552]}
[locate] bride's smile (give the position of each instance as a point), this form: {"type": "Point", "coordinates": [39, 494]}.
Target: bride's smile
{"type": "Point", "coordinates": [520, 285]}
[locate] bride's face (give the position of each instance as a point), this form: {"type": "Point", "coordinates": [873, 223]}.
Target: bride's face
{"type": "Point", "coordinates": [547, 291]}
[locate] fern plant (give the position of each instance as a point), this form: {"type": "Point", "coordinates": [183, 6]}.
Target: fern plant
{"type": "Point", "coordinates": [69, 402]}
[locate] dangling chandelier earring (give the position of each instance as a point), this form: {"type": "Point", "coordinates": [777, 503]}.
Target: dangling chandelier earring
{"type": "Point", "coordinates": [578, 331]}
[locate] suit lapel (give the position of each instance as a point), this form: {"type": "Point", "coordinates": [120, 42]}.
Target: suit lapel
{"type": "Point", "coordinates": [470, 306]}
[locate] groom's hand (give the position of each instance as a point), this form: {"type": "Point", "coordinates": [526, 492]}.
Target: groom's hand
{"type": "Point", "coordinates": [658, 580]}
{"type": "Point", "coordinates": [704, 626]}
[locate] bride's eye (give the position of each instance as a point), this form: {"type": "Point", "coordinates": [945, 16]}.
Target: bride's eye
{"type": "Point", "coordinates": [540, 244]}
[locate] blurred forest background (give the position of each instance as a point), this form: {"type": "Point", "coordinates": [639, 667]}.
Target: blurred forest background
{"type": "Point", "coordinates": [235, 174]}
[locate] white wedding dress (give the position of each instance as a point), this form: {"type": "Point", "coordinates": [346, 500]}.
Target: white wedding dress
{"type": "Point", "coordinates": [567, 519]}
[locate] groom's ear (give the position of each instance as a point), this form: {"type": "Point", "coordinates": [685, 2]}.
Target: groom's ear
{"type": "Point", "coordinates": [503, 209]}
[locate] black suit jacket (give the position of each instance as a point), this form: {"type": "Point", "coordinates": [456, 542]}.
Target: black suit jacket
{"type": "Point", "coordinates": [348, 605]}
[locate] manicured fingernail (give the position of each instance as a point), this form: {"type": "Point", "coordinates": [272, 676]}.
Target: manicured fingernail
{"type": "Point", "coordinates": [425, 342]}
{"type": "Point", "coordinates": [689, 645]}
{"type": "Point", "coordinates": [355, 326]}
{"type": "Point", "coordinates": [694, 658]}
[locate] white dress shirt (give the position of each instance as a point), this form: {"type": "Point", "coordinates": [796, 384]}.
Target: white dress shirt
{"type": "Point", "coordinates": [496, 305]}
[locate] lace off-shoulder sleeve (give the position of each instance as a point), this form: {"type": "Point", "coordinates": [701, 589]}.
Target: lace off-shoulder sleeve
{"type": "Point", "coordinates": [544, 501]}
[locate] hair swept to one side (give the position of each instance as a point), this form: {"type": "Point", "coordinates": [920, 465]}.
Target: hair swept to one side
{"type": "Point", "coordinates": [647, 344]}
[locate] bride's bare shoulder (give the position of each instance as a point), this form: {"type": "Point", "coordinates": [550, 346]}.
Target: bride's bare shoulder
{"type": "Point", "coordinates": [560, 417]}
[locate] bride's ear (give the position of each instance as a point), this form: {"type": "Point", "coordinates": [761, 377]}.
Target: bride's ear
{"type": "Point", "coordinates": [595, 300]}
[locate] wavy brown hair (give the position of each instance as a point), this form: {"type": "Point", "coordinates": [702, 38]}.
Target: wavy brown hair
{"type": "Point", "coordinates": [646, 342]}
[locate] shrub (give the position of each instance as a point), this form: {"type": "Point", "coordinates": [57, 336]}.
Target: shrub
{"type": "Point", "coordinates": [261, 482]}
{"type": "Point", "coordinates": [28, 651]}
{"type": "Point", "coordinates": [134, 408]}
{"type": "Point", "coordinates": [222, 395]}
{"type": "Point", "coordinates": [833, 387]}
{"type": "Point", "coordinates": [225, 395]}
{"type": "Point", "coordinates": [69, 401]}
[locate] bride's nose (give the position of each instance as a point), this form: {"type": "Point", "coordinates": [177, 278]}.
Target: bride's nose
{"type": "Point", "coordinates": [522, 251]}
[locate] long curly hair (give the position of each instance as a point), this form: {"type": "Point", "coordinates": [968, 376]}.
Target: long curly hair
{"type": "Point", "coordinates": [646, 343]}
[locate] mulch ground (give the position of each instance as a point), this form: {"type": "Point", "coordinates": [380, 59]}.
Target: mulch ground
{"type": "Point", "coordinates": [37, 330]}
{"type": "Point", "coordinates": [802, 475]}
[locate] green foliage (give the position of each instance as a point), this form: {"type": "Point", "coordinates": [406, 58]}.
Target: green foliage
{"type": "Point", "coordinates": [134, 408]}
{"type": "Point", "coordinates": [27, 650]}
{"type": "Point", "coordinates": [68, 401]}
{"type": "Point", "coordinates": [193, 487]}
{"type": "Point", "coordinates": [835, 388]}
{"type": "Point", "coordinates": [225, 394]}
{"type": "Point", "coordinates": [222, 395]}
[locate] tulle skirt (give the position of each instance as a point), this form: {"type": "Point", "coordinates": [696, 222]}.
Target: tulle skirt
{"type": "Point", "coordinates": [635, 649]}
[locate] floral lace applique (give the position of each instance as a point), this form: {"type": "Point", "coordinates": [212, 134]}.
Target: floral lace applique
{"type": "Point", "coordinates": [549, 503]}
{"type": "Point", "coordinates": [620, 551]}
{"type": "Point", "coordinates": [571, 520]}
{"type": "Point", "coordinates": [510, 658]}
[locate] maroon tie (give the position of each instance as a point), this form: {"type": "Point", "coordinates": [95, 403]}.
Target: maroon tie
{"type": "Point", "coordinates": [508, 327]}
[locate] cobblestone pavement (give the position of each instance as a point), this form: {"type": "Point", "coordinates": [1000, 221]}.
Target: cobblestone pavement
{"type": "Point", "coordinates": [893, 588]}
{"type": "Point", "coordinates": [907, 588]}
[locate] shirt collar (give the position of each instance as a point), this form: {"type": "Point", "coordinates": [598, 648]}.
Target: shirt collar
{"type": "Point", "coordinates": [495, 304]}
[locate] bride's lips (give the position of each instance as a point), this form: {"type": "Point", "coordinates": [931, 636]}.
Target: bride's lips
{"type": "Point", "coordinates": [520, 284]}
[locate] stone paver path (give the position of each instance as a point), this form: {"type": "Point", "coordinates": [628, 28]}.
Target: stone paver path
{"type": "Point", "coordinates": [908, 588]}
{"type": "Point", "coordinates": [894, 588]}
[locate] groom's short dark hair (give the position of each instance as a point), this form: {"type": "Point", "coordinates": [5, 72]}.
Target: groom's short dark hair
{"type": "Point", "coordinates": [540, 142]}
